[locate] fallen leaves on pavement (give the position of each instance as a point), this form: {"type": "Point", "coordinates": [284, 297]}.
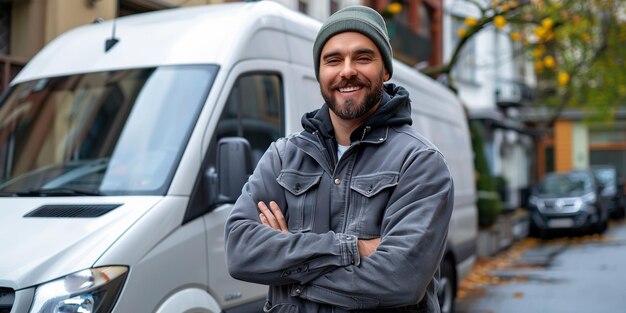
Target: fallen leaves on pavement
{"type": "Point", "coordinates": [484, 271]}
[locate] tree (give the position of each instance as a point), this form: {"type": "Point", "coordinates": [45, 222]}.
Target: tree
{"type": "Point", "coordinates": [576, 46]}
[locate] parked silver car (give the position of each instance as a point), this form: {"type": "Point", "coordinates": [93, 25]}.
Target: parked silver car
{"type": "Point", "coordinates": [612, 189]}
{"type": "Point", "coordinates": [569, 200]}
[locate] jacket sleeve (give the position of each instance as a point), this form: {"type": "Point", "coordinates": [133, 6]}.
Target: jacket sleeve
{"type": "Point", "coordinates": [413, 238]}
{"type": "Point", "coordinates": [260, 254]}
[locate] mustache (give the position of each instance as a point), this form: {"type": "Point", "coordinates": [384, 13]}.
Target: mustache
{"type": "Point", "coordinates": [355, 81]}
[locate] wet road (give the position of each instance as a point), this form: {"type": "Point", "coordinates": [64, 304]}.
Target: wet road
{"type": "Point", "coordinates": [558, 275]}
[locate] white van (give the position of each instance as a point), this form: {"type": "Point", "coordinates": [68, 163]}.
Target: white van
{"type": "Point", "coordinates": [113, 187]}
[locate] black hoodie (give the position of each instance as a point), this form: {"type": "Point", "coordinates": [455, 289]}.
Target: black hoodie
{"type": "Point", "coordinates": [394, 110]}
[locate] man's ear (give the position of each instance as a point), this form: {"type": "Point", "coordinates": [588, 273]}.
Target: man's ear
{"type": "Point", "coordinates": [386, 77]}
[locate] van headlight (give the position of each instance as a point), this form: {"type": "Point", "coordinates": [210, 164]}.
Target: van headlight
{"type": "Point", "coordinates": [92, 290]}
{"type": "Point", "coordinates": [533, 200]}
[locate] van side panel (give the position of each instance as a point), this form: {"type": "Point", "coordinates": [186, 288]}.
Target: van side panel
{"type": "Point", "coordinates": [440, 117]}
{"type": "Point", "coordinates": [164, 257]}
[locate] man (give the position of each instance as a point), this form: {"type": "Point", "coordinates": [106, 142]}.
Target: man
{"type": "Point", "coordinates": [352, 213]}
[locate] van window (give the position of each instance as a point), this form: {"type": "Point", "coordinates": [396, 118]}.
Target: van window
{"type": "Point", "coordinates": [113, 133]}
{"type": "Point", "coordinates": [253, 111]}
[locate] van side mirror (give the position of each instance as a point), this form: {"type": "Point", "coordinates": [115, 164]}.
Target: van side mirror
{"type": "Point", "coordinates": [234, 166]}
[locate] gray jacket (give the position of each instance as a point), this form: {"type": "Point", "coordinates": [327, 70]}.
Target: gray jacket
{"type": "Point", "coordinates": [390, 183]}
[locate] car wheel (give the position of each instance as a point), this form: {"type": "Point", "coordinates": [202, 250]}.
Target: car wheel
{"type": "Point", "coordinates": [447, 286]}
{"type": "Point", "coordinates": [620, 211]}
{"type": "Point", "coordinates": [601, 226]}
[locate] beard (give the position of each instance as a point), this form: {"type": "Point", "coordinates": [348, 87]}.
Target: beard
{"type": "Point", "coordinates": [353, 109]}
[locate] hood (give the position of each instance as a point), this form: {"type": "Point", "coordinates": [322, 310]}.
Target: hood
{"type": "Point", "coordinates": [39, 248]}
{"type": "Point", "coordinates": [394, 110]}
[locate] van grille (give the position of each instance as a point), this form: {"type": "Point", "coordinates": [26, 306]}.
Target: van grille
{"type": "Point", "coordinates": [72, 210]}
{"type": "Point", "coordinates": [7, 296]}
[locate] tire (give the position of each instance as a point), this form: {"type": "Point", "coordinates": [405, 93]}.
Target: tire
{"type": "Point", "coordinates": [602, 224]}
{"type": "Point", "coordinates": [446, 293]}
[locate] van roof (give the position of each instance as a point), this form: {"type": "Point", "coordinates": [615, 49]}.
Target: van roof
{"type": "Point", "coordinates": [211, 34]}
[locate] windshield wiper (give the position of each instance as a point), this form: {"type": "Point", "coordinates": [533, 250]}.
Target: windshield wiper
{"type": "Point", "coordinates": [58, 192]}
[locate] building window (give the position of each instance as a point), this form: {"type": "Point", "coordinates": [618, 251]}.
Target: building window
{"type": "Point", "coordinates": [334, 6]}
{"type": "Point", "coordinates": [425, 22]}
{"type": "Point", "coordinates": [303, 6]}
{"type": "Point", "coordinates": [5, 27]}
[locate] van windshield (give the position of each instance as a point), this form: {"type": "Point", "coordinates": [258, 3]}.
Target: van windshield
{"type": "Point", "coordinates": [108, 133]}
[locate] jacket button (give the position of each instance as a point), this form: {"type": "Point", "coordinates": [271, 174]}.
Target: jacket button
{"type": "Point", "coordinates": [298, 291]}
{"type": "Point", "coordinates": [337, 181]}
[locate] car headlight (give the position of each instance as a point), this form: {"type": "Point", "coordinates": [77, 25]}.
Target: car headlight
{"type": "Point", "coordinates": [589, 198]}
{"type": "Point", "coordinates": [92, 290]}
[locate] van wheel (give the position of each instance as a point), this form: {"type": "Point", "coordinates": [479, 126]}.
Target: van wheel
{"type": "Point", "coordinates": [446, 292]}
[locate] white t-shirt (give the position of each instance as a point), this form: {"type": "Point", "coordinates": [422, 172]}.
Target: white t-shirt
{"type": "Point", "coordinates": [340, 150]}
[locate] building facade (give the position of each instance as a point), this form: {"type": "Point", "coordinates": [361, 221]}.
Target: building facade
{"type": "Point", "coordinates": [27, 25]}
{"type": "Point", "coordinates": [577, 143]}
{"type": "Point", "coordinates": [415, 26]}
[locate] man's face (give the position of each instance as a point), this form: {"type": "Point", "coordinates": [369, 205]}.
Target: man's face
{"type": "Point", "coordinates": [351, 75]}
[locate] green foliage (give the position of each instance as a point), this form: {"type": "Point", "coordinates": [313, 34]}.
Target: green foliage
{"type": "Point", "coordinates": [589, 37]}
{"type": "Point", "coordinates": [488, 203]}
{"type": "Point", "coordinates": [577, 47]}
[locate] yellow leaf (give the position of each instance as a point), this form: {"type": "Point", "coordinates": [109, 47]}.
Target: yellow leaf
{"type": "Point", "coordinates": [563, 78]}
{"type": "Point", "coordinates": [394, 8]}
{"type": "Point", "coordinates": [516, 36]}
{"type": "Point", "coordinates": [539, 66]}
{"type": "Point", "coordinates": [548, 61]}
{"type": "Point", "coordinates": [539, 32]}
{"type": "Point", "coordinates": [538, 52]}
{"type": "Point", "coordinates": [499, 21]}
{"type": "Point", "coordinates": [462, 32]}
{"type": "Point", "coordinates": [471, 21]}
{"type": "Point", "coordinates": [585, 37]}
{"type": "Point", "coordinates": [547, 23]}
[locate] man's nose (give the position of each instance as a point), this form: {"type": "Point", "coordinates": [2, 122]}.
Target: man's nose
{"type": "Point", "coordinates": [348, 70]}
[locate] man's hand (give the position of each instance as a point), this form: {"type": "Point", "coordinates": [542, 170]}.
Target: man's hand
{"type": "Point", "coordinates": [367, 246]}
{"type": "Point", "coordinates": [272, 217]}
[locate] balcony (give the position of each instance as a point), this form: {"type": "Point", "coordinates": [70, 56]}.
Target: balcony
{"type": "Point", "coordinates": [513, 94]}
{"type": "Point", "coordinates": [408, 46]}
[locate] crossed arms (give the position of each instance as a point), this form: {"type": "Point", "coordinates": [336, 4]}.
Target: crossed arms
{"type": "Point", "coordinates": [338, 269]}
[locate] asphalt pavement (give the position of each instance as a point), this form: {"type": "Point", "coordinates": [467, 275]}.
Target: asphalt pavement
{"type": "Point", "coordinates": [566, 274]}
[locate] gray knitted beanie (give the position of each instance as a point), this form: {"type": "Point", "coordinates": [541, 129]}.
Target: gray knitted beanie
{"type": "Point", "coordinates": [360, 19]}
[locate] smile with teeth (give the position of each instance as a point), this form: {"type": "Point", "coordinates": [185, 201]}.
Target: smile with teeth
{"type": "Point", "coordinates": [349, 89]}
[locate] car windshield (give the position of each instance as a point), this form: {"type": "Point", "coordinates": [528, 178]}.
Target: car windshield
{"type": "Point", "coordinates": [107, 133]}
{"type": "Point", "coordinates": [567, 184]}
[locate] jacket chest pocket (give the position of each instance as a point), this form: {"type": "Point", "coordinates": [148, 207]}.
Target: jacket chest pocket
{"type": "Point", "coordinates": [369, 198]}
{"type": "Point", "coordinates": [301, 198]}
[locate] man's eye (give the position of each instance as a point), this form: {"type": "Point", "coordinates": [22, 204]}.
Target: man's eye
{"type": "Point", "coordinates": [332, 61]}
{"type": "Point", "coordinates": [364, 59]}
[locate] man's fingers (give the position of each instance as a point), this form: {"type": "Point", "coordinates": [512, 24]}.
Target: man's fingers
{"type": "Point", "coordinates": [280, 218]}
{"type": "Point", "coordinates": [264, 220]}
{"type": "Point", "coordinates": [269, 216]}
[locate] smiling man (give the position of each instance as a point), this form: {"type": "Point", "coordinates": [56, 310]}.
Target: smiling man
{"type": "Point", "coordinates": [352, 213]}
